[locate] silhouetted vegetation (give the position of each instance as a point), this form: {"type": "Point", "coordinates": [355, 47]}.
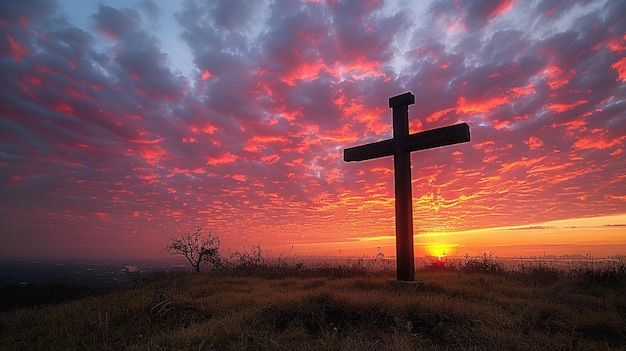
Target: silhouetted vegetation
{"type": "Point", "coordinates": [199, 250]}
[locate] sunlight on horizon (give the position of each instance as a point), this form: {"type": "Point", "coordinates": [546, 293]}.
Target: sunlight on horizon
{"type": "Point", "coordinates": [599, 236]}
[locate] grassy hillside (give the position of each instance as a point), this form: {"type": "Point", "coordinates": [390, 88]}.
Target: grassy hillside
{"type": "Point", "coordinates": [466, 308]}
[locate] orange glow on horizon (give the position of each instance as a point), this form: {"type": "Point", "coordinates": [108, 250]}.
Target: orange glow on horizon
{"type": "Point", "coordinates": [596, 236]}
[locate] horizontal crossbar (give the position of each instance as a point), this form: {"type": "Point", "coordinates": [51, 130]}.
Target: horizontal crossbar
{"type": "Point", "coordinates": [454, 134]}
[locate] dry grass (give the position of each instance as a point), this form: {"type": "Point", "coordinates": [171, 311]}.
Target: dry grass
{"type": "Point", "coordinates": [450, 310]}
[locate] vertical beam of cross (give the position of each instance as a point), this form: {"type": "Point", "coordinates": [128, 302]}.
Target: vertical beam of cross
{"type": "Point", "coordinates": [401, 146]}
{"type": "Point", "coordinates": [405, 260]}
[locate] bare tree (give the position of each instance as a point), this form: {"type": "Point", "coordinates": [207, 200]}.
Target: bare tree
{"type": "Point", "coordinates": [197, 250]}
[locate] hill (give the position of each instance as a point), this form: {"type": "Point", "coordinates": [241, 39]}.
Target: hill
{"type": "Point", "coordinates": [450, 309]}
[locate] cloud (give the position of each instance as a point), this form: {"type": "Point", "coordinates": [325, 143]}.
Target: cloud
{"type": "Point", "coordinates": [101, 135]}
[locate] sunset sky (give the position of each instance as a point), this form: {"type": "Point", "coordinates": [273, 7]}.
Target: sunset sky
{"type": "Point", "coordinates": [123, 123]}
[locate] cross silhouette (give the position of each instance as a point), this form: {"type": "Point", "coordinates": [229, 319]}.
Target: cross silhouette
{"type": "Point", "coordinates": [400, 147]}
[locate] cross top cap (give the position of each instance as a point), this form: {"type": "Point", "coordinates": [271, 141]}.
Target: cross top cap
{"type": "Point", "coordinates": [405, 99]}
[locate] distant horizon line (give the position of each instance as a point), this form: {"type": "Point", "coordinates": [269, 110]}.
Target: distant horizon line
{"type": "Point", "coordinates": [122, 261]}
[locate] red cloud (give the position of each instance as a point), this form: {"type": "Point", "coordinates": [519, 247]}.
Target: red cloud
{"type": "Point", "coordinates": [534, 143]}
{"type": "Point", "coordinates": [32, 80]}
{"type": "Point", "coordinates": [223, 159]}
{"type": "Point", "coordinates": [438, 114]}
{"type": "Point", "coordinates": [620, 67]}
{"type": "Point", "coordinates": [502, 7]}
{"type": "Point", "coordinates": [152, 154]}
{"type": "Point", "coordinates": [192, 173]}
{"type": "Point", "coordinates": [557, 78]}
{"type": "Point", "coordinates": [597, 140]}
{"type": "Point", "coordinates": [486, 105]}
{"type": "Point", "coordinates": [206, 75]}
{"type": "Point", "coordinates": [146, 141]}
{"type": "Point", "coordinates": [270, 159]}
{"type": "Point", "coordinates": [207, 129]}
{"type": "Point", "coordinates": [559, 107]}
{"type": "Point", "coordinates": [64, 108]}
{"type": "Point", "coordinates": [239, 177]}
{"type": "Point", "coordinates": [524, 163]}
{"type": "Point", "coordinates": [303, 71]}
{"type": "Point", "coordinates": [354, 109]}
{"type": "Point", "coordinates": [617, 45]}
{"type": "Point", "coordinates": [259, 142]}
{"type": "Point", "coordinates": [17, 50]}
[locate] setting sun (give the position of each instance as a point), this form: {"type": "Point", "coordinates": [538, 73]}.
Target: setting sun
{"type": "Point", "coordinates": [440, 250]}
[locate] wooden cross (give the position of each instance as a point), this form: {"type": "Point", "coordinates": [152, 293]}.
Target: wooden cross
{"type": "Point", "coordinates": [400, 147]}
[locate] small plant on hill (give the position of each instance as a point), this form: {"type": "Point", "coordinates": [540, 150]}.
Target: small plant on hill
{"type": "Point", "coordinates": [248, 260]}
{"type": "Point", "coordinates": [199, 250]}
{"type": "Point", "coordinates": [486, 263]}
